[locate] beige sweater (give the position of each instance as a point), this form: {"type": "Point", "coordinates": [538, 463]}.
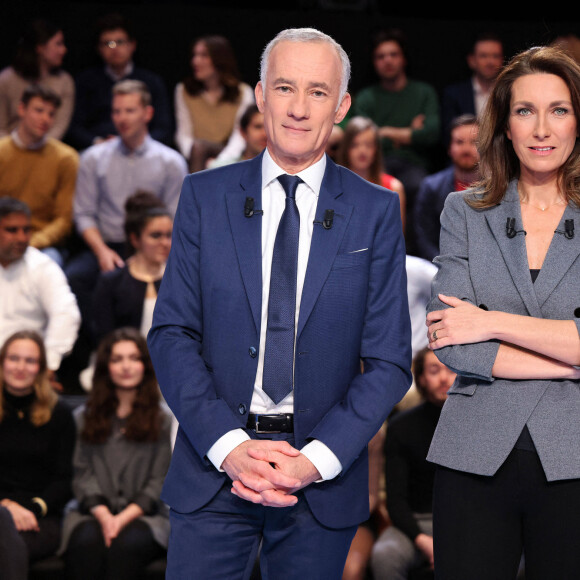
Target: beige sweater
{"type": "Point", "coordinates": [44, 179]}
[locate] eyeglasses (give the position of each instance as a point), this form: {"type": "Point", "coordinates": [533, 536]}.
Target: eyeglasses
{"type": "Point", "coordinates": [113, 43]}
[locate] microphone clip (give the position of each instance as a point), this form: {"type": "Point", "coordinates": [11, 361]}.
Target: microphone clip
{"type": "Point", "coordinates": [326, 223]}
{"type": "Point", "coordinates": [510, 230]}
{"type": "Point", "coordinates": [568, 232]}
{"type": "Point", "coordinates": [249, 210]}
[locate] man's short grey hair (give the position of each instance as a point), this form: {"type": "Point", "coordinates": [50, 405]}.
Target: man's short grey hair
{"type": "Point", "coordinates": [307, 35]}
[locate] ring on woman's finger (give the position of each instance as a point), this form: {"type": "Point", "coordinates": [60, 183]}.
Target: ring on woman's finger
{"type": "Point", "coordinates": [434, 335]}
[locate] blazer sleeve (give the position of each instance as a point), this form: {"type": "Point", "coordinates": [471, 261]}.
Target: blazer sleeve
{"type": "Point", "coordinates": [175, 338]}
{"type": "Point", "coordinates": [453, 279]}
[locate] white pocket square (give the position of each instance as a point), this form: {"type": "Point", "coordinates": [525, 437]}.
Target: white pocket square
{"type": "Point", "coordinates": [356, 251]}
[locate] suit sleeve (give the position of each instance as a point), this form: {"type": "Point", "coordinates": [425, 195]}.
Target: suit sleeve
{"type": "Point", "coordinates": [385, 349]}
{"type": "Point", "coordinates": [175, 338]}
{"type": "Point", "coordinates": [453, 279]}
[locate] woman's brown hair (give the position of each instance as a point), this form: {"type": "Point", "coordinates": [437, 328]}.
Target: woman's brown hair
{"type": "Point", "coordinates": [499, 163]}
{"type": "Point", "coordinates": [144, 422]}
{"type": "Point", "coordinates": [354, 127]}
{"type": "Point", "coordinates": [45, 397]}
{"type": "Point", "coordinates": [224, 60]}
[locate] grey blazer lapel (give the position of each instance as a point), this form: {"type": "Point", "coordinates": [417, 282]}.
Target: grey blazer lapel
{"type": "Point", "coordinates": [513, 249]}
{"type": "Point", "coordinates": [562, 253]}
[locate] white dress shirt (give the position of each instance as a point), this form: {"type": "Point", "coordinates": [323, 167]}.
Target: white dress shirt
{"type": "Point", "coordinates": [35, 295]}
{"type": "Point", "coordinates": [273, 204]}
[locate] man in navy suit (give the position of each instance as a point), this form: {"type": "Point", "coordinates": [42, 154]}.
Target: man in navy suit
{"type": "Point", "coordinates": [286, 473]}
{"type": "Point", "coordinates": [485, 60]}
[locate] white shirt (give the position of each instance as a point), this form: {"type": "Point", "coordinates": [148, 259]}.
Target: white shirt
{"type": "Point", "coordinates": [273, 203]}
{"type": "Point", "coordinates": [35, 295]}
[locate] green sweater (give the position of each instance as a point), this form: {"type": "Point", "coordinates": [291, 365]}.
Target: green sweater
{"type": "Point", "coordinates": [398, 109]}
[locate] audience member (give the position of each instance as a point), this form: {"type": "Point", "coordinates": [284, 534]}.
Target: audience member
{"type": "Point", "coordinates": [35, 294]}
{"type": "Point", "coordinates": [38, 60]}
{"type": "Point", "coordinates": [37, 434]}
{"type": "Point", "coordinates": [406, 111]}
{"type": "Point", "coordinates": [40, 171]}
{"type": "Point", "coordinates": [360, 152]}
{"type": "Point", "coordinates": [92, 122]}
{"type": "Point", "coordinates": [334, 141]}
{"type": "Point", "coordinates": [459, 175]}
{"type": "Point", "coordinates": [209, 104]}
{"type": "Point", "coordinates": [126, 296]}
{"type": "Point", "coordinates": [118, 525]}
{"type": "Point", "coordinates": [407, 543]}
{"type": "Point", "coordinates": [485, 60]}
{"type": "Point", "coordinates": [253, 133]}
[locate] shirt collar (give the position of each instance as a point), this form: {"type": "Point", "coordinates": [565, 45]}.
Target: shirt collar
{"type": "Point", "coordinates": [140, 151]}
{"type": "Point", "coordinates": [312, 176]}
{"type": "Point", "coordinates": [110, 72]}
{"type": "Point", "coordinates": [20, 144]}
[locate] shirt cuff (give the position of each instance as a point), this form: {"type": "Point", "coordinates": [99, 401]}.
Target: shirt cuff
{"type": "Point", "coordinates": [323, 459]}
{"type": "Point", "coordinates": [226, 443]}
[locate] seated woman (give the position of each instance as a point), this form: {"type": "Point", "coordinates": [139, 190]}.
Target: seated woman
{"type": "Point", "coordinates": [37, 434]}
{"type": "Point", "coordinates": [360, 152]}
{"type": "Point", "coordinates": [118, 524]}
{"type": "Point", "coordinates": [39, 58]}
{"type": "Point", "coordinates": [126, 296]}
{"type": "Point", "coordinates": [209, 104]}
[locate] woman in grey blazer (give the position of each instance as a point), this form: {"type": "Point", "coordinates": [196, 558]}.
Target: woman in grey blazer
{"type": "Point", "coordinates": [119, 524]}
{"type": "Point", "coordinates": [505, 315]}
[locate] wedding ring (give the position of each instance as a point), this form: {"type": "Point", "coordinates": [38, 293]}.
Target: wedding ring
{"type": "Point", "coordinates": [434, 335]}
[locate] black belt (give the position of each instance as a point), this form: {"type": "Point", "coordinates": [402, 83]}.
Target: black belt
{"type": "Point", "coordinates": [282, 423]}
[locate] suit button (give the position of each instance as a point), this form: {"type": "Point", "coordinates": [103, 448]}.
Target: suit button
{"type": "Point", "coordinates": [483, 307]}
{"type": "Point", "coordinates": [577, 312]}
{"type": "Point", "coordinates": [242, 409]}
{"type": "Point", "coordinates": [253, 352]}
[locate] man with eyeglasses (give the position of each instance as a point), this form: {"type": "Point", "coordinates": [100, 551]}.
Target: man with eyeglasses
{"type": "Point", "coordinates": [91, 121]}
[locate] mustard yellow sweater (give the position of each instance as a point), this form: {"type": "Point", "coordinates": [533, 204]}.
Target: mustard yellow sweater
{"type": "Point", "coordinates": [44, 179]}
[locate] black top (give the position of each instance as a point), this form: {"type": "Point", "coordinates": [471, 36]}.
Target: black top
{"type": "Point", "coordinates": [408, 475]}
{"type": "Point", "coordinates": [36, 461]}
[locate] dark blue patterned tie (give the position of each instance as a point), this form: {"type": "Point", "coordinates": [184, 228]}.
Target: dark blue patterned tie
{"type": "Point", "coordinates": [279, 355]}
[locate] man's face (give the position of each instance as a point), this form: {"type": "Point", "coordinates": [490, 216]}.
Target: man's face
{"type": "Point", "coordinates": [463, 147]}
{"type": "Point", "coordinates": [255, 134]}
{"type": "Point", "coordinates": [15, 235]}
{"type": "Point", "coordinates": [116, 48]}
{"type": "Point", "coordinates": [436, 379]}
{"type": "Point", "coordinates": [130, 117]}
{"type": "Point", "coordinates": [486, 60]}
{"type": "Point", "coordinates": [389, 60]}
{"type": "Point", "coordinates": [36, 118]}
{"type": "Point", "coordinates": [300, 102]}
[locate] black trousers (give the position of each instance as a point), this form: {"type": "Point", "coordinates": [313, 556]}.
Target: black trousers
{"type": "Point", "coordinates": [88, 558]}
{"type": "Point", "coordinates": [483, 524]}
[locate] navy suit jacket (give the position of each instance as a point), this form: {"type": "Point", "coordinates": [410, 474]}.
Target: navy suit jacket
{"type": "Point", "coordinates": [206, 328]}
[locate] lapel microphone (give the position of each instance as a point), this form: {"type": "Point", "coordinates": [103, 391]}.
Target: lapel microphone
{"type": "Point", "coordinates": [510, 229]}
{"type": "Point", "coordinates": [568, 232]}
{"type": "Point", "coordinates": [326, 223]}
{"type": "Point", "coordinates": [249, 210]}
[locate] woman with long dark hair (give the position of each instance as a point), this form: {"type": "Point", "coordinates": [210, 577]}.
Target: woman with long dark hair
{"type": "Point", "coordinates": [38, 60]}
{"type": "Point", "coordinates": [37, 435]}
{"type": "Point", "coordinates": [210, 102]}
{"type": "Point", "coordinates": [123, 449]}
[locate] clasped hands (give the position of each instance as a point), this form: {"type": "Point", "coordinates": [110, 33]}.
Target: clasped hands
{"type": "Point", "coordinates": [268, 472]}
{"type": "Point", "coordinates": [463, 323]}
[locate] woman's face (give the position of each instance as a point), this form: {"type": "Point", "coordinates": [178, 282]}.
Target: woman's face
{"type": "Point", "coordinates": [52, 52]}
{"type": "Point", "coordinates": [201, 63]}
{"type": "Point", "coordinates": [362, 151]}
{"type": "Point", "coordinates": [154, 241]}
{"type": "Point", "coordinates": [21, 367]}
{"type": "Point", "coordinates": [542, 124]}
{"type": "Point", "coordinates": [126, 367]}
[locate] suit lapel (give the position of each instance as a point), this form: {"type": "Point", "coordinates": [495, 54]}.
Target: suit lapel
{"type": "Point", "coordinates": [561, 255]}
{"type": "Point", "coordinates": [325, 243]}
{"type": "Point", "coordinates": [247, 233]}
{"type": "Point", "coordinates": [513, 250]}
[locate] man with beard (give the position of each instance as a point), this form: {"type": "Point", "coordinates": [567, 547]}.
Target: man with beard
{"type": "Point", "coordinates": [460, 175]}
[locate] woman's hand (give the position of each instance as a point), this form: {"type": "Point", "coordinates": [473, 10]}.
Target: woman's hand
{"type": "Point", "coordinates": [24, 519]}
{"type": "Point", "coordinates": [463, 323]}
